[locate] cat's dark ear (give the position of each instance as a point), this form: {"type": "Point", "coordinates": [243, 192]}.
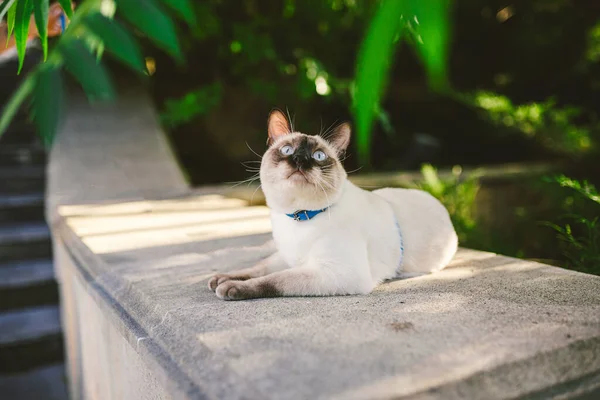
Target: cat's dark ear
{"type": "Point", "coordinates": [278, 126]}
{"type": "Point", "coordinates": [340, 137]}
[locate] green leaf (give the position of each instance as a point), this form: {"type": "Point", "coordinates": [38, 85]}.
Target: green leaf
{"type": "Point", "coordinates": [184, 9]}
{"type": "Point", "coordinates": [40, 10]}
{"type": "Point", "coordinates": [83, 66]}
{"type": "Point", "coordinates": [22, 18]}
{"type": "Point", "coordinates": [116, 40]}
{"type": "Point", "coordinates": [373, 64]}
{"type": "Point", "coordinates": [99, 51]}
{"type": "Point", "coordinates": [48, 100]}
{"type": "Point", "coordinates": [67, 7]}
{"type": "Point", "coordinates": [4, 7]}
{"type": "Point", "coordinates": [94, 45]}
{"type": "Point", "coordinates": [10, 21]}
{"type": "Point", "coordinates": [13, 104]}
{"type": "Point", "coordinates": [432, 23]}
{"type": "Point", "coordinates": [152, 21]}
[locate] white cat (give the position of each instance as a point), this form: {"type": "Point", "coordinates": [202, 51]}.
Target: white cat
{"type": "Point", "coordinates": [332, 237]}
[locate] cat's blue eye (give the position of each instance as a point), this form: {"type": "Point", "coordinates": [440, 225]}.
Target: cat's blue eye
{"type": "Point", "coordinates": [319, 155]}
{"type": "Point", "coordinates": [287, 150]}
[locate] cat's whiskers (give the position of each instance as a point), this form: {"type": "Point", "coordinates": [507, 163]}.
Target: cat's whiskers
{"type": "Point", "coordinates": [327, 183]}
{"type": "Point", "coordinates": [251, 168]}
{"type": "Point", "coordinates": [252, 150]}
{"type": "Point", "coordinates": [253, 193]}
{"type": "Point", "coordinates": [290, 119]}
{"type": "Point", "coordinates": [327, 134]}
{"type": "Point", "coordinates": [250, 161]}
{"type": "Point", "coordinates": [327, 173]}
{"type": "Point", "coordinates": [346, 156]}
{"type": "Point", "coordinates": [354, 170]}
{"type": "Point", "coordinates": [318, 182]}
{"type": "Point", "coordinates": [249, 181]}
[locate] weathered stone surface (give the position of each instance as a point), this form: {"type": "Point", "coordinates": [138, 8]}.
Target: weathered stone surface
{"type": "Point", "coordinates": [478, 317]}
{"type": "Point", "coordinates": [110, 152]}
{"type": "Point", "coordinates": [133, 277]}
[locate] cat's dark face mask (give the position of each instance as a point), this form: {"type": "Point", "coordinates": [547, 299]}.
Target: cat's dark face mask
{"type": "Point", "coordinates": [302, 170]}
{"type": "Point", "coordinates": [305, 157]}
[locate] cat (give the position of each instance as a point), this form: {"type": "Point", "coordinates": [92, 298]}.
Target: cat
{"type": "Point", "coordinates": [332, 237]}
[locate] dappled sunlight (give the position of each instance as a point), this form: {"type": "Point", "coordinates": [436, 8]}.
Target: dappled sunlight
{"type": "Point", "coordinates": [467, 255]}
{"type": "Point", "coordinates": [95, 226]}
{"type": "Point", "coordinates": [203, 202]}
{"type": "Point", "coordinates": [199, 231]}
{"type": "Point", "coordinates": [135, 225]}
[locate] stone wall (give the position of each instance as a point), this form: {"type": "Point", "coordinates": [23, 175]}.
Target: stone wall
{"type": "Point", "coordinates": [134, 248]}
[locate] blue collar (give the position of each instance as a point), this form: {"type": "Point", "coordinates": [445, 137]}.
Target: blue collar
{"type": "Point", "coordinates": [305, 215]}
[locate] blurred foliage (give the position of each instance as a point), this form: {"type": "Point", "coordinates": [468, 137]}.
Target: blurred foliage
{"type": "Point", "coordinates": [314, 56]}
{"type": "Point", "coordinates": [199, 102]}
{"type": "Point", "coordinates": [258, 45]}
{"type": "Point", "coordinates": [510, 226]}
{"type": "Point", "coordinates": [429, 25]}
{"type": "Point", "coordinates": [593, 45]}
{"type": "Point", "coordinates": [457, 194]}
{"type": "Point", "coordinates": [555, 127]}
{"type": "Point", "coordinates": [91, 30]}
{"type": "Point", "coordinates": [579, 238]}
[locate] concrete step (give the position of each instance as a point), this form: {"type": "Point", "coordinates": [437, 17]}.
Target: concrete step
{"type": "Point", "coordinates": [22, 154]}
{"type": "Point", "coordinates": [22, 207]}
{"type": "Point", "coordinates": [22, 179]}
{"type": "Point", "coordinates": [47, 383]}
{"type": "Point", "coordinates": [30, 338]}
{"type": "Point", "coordinates": [25, 241]}
{"type": "Point", "coordinates": [27, 283]}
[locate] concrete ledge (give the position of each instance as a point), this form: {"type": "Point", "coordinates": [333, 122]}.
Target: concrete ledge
{"type": "Point", "coordinates": [133, 264]}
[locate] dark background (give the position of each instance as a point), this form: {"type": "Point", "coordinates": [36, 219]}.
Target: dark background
{"type": "Point", "coordinates": [250, 56]}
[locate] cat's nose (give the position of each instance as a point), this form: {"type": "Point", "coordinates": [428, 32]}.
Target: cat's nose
{"type": "Point", "coordinates": [302, 160]}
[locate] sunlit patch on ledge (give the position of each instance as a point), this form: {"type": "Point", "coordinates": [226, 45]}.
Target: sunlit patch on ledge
{"type": "Point", "coordinates": [192, 203]}
{"type": "Point", "coordinates": [177, 234]}
{"type": "Point", "coordinates": [135, 225]}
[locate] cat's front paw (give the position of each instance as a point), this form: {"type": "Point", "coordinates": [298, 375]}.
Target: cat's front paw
{"type": "Point", "coordinates": [216, 280]}
{"type": "Point", "coordinates": [233, 290]}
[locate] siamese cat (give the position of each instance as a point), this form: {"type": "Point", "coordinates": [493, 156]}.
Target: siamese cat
{"type": "Point", "coordinates": [332, 237]}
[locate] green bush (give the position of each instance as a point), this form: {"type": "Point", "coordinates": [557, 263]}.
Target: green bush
{"type": "Point", "coordinates": [557, 128]}
{"type": "Point", "coordinates": [579, 235]}
{"type": "Point", "coordinates": [458, 194]}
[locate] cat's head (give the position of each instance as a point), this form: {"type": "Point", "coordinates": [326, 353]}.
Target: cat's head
{"type": "Point", "coordinates": [299, 171]}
